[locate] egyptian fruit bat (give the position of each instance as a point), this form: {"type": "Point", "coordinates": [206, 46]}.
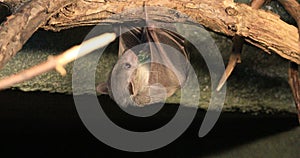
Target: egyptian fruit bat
{"type": "Point", "coordinates": [153, 63]}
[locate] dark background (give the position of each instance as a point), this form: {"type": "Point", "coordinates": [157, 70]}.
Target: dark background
{"type": "Point", "coordinates": [39, 124]}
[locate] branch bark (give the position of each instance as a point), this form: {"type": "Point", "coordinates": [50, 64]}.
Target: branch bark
{"type": "Point", "coordinates": [20, 26]}
{"type": "Point", "coordinates": [263, 29]}
{"type": "Point", "coordinates": [260, 28]}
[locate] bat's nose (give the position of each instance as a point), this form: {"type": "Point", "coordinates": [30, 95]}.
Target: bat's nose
{"type": "Point", "coordinates": [5, 10]}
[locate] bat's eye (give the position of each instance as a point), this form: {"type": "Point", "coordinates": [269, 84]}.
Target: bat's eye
{"type": "Point", "coordinates": [127, 66]}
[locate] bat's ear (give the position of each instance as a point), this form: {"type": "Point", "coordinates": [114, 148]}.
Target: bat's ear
{"type": "Point", "coordinates": [129, 55]}
{"type": "Point", "coordinates": [102, 88]}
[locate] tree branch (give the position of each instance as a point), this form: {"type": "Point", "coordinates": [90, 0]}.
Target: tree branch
{"type": "Point", "coordinates": [261, 28]}
{"type": "Point", "coordinates": [21, 25]}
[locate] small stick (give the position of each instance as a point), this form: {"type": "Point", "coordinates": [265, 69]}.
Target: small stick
{"type": "Point", "coordinates": [234, 58]}
{"type": "Point", "coordinates": [58, 62]}
{"type": "Point", "coordinates": [236, 51]}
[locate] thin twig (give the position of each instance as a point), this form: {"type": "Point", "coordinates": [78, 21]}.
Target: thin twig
{"type": "Point", "coordinates": [236, 51]}
{"type": "Point", "coordinates": [58, 62]}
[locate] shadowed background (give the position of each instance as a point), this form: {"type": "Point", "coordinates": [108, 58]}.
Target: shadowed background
{"type": "Point", "coordinates": [39, 118]}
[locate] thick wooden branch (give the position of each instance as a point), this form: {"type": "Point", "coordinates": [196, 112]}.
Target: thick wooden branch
{"type": "Point", "coordinates": [20, 26]}
{"type": "Point", "coordinates": [260, 28]}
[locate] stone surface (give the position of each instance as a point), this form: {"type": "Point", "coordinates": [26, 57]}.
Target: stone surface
{"type": "Point", "coordinates": [258, 84]}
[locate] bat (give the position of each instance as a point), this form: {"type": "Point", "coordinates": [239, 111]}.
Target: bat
{"type": "Point", "coordinates": [152, 65]}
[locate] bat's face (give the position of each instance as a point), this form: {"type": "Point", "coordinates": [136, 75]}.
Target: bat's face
{"type": "Point", "coordinates": [136, 83]}
{"type": "Point", "coordinates": [130, 81]}
{"type": "Point", "coordinates": [120, 83]}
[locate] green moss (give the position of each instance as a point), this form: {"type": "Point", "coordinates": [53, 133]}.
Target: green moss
{"type": "Point", "coordinates": [258, 84]}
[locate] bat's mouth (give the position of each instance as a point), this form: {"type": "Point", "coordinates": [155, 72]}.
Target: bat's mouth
{"type": "Point", "coordinates": [130, 88]}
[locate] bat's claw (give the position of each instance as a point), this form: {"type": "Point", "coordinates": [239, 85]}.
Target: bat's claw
{"type": "Point", "coordinates": [235, 57]}
{"type": "Point", "coordinates": [295, 85]}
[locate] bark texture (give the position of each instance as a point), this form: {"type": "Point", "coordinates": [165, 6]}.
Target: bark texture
{"type": "Point", "coordinates": [261, 28]}
{"type": "Point", "coordinates": [20, 26]}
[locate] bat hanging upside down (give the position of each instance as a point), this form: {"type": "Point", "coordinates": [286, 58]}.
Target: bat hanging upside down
{"type": "Point", "coordinates": [153, 63]}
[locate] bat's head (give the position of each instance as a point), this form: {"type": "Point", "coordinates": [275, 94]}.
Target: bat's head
{"type": "Point", "coordinates": [120, 82]}
{"type": "Point", "coordinates": [132, 82]}
{"type": "Point", "coordinates": [136, 83]}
